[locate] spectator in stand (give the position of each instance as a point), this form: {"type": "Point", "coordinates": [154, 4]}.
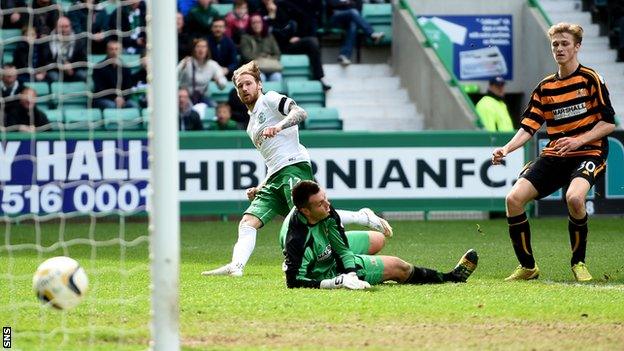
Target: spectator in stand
{"type": "Point", "coordinates": [130, 18]}
{"type": "Point", "coordinates": [16, 19]}
{"type": "Point", "coordinates": [63, 52]}
{"type": "Point", "coordinates": [237, 21]}
{"type": "Point", "coordinates": [185, 6]}
{"type": "Point", "coordinates": [492, 109]}
{"type": "Point", "coordinates": [184, 38]}
{"type": "Point", "coordinates": [200, 18]}
{"type": "Point", "coordinates": [196, 71]}
{"type": "Point", "coordinates": [83, 11]}
{"type": "Point", "coordinates": [222, 48]}
{"type": "Point", "coordinates": [294, 34]}
{"type": "Point", "coordinates": [26, 57]}
{"type": "Point", "coordinates": [238, 110]}
{"type": "Point", "coordinates": [11, 87]}
{"type": "Point", "coordinates": [111, 80]}
{"type": "Point", "coordinates": [26, 116]}
{"type": "Point", "coordinates": [344, 14]}
{"type": "Point", "coordinates": [223, 120]}
{"type": "Point", "coordinates": [188, 119]}
{"type": "Point", "coordinates": [44, 20]}
{"type": "Point", "coordinates": [262, 47]}
{"type": "Point", "coordinates": [139, 83]}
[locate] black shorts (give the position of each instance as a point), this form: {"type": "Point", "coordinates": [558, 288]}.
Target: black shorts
{"type": "Point", "coordinates": [548, 174]}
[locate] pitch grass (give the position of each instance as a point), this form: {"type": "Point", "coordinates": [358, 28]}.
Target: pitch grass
{"type": "Point", "coordinates": [257, 311]}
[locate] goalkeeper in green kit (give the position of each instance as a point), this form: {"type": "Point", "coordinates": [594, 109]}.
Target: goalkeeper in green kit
{"type": "Point", "coordinates": [320, 254]}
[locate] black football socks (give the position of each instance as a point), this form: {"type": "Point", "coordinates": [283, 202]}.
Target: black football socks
{"type": "Point", "coordinates": [520, 234]}
{"type": "Point", "coordinates": [421, 275]}
{"type": "Point", "coordinates": [578, 238]}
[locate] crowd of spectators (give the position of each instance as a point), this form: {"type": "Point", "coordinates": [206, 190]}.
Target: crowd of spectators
{"type": "Point", "coordinates": [57, 43]}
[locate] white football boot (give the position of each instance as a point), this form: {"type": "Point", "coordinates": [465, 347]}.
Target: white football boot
{"type": "Point", "coordinates": [377, 223]}
{"type": "Point", "coordinates": [229, 269]}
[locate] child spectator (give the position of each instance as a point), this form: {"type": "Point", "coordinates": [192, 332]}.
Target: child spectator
{"type": "Point", "coordinates": [237, 21]}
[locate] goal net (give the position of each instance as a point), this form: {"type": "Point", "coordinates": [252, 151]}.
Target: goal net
{"type": "Point", "coordinates": [81, 175]}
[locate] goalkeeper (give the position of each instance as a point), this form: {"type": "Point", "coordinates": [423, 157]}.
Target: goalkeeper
{"type": "Point", "coordinates": [319, 254]}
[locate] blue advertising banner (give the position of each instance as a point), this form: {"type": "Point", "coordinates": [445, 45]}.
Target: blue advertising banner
{"type": "Point", "coordinates": [84, 176]}
{"type": "Point", "coordinates": [473, 47]}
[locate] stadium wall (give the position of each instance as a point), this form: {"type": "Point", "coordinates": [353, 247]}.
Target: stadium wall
{"type": "Point", "coordinates": [87, 173]}
{"type": "Point", "coordinates": [531, 56]}
{"type": "Point", "coordinates": [99, 173]}
{"type": "Point", "coordinates": [426, 79]}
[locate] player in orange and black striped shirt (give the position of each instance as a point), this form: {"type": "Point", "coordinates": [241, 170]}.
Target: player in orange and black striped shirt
{"type": "Point", "coordinates": [574, 104]}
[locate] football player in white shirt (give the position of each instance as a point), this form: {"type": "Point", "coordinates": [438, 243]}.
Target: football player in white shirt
{"type": "Point", "coordinates": [273, 129]}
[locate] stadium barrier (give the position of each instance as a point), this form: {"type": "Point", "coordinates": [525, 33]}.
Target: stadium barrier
{"type": "Point", "coordinates": [100, 172]}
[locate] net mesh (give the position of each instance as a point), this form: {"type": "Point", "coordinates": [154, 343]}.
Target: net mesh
{"type": "Point", "coordinates": [74, 182]}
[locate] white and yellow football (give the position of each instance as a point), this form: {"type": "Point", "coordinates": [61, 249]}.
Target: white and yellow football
{"type": "Point", "coordinates": [60, 282]}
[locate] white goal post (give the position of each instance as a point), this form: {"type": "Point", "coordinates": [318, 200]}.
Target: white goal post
{"type": "Point", "coordinates": [163, 145]}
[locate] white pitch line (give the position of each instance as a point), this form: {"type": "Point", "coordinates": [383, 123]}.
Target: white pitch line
{"type": "Point", "coordinates": [586, 285]}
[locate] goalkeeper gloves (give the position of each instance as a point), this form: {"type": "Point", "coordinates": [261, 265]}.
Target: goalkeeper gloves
{"type": "Point", "coordinates": [349, 281]}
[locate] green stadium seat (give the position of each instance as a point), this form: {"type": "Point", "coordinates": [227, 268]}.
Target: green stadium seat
{"type": "Point", "coordinates": [218, 95]}
{"type": "Point", "coordinates": [122, 118]}
{"type": "Point", "coordinates": [145, 118]}
{"type": "Point", "coordinates": [274, 86]}
{"type": "Point", "coordinates": [133, 61]}
{"type": "Point", "coordinates": [9, 38]}
{"type": "Point", "coordinates": [7, 57]}
{"type": "Point", "coordinates": [55, 117]}
{"type": "Point", "coordinates": [43, 93]}
{"type": "Point", "coordinates": [41, 88]}
{"type": "Point", "coordinates": [83, 119]}
{"type": "Point", "coordinates": [70, 94]}
{"type": "Point", "coordinates": [377, 13]}
{"type": "Point", "coordinates": [322, 118]}
{"type": "Point", "coordinates": [109, 6]}
{"type": "Point", "coordinates": [387, 39]}
{"type": "Point", "coordinates": [223, 9]}
{"type": "Point", "coordinates": [96, 58]}
{"type": "Point", "coordinates": [306, 92]}
{"type": "Point", "coordinates": [65, 5]}
{"type": "Point", "coordinates": [295, 66]}
{"type": "Point", "coordinates": [209, 117]}
{"type": "Point", "coordinates": [209, 114]}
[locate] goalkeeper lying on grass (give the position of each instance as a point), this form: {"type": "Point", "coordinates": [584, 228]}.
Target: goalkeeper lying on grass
{"type": "Point", "coordinates": [319, 254]}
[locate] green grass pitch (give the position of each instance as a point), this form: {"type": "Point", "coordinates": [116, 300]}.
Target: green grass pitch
{"type": "Point", "coordinates": [257, 311]}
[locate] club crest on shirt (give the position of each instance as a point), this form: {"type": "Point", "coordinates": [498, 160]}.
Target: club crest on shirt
{"type": "Point", "coordinates": [261, 118]}
{"type": "Point", "coordinates": [581, 92]}
{"type": "Point", "coordinates": [326, 254]}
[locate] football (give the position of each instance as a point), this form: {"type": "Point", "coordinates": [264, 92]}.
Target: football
{"type": "Point", "coordinates": [60, 282]}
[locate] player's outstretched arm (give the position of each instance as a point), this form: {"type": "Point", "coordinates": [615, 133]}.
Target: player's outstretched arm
{"type": "Point", "coordinates": [521, 137]}
{"type": "Point", "coordinates": [295, 116]}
